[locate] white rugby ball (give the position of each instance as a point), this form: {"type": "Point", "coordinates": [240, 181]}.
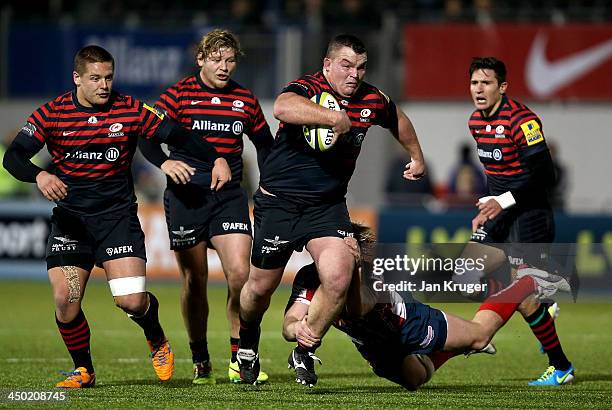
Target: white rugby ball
{"type": "Point", "coordinates": [321, 137]}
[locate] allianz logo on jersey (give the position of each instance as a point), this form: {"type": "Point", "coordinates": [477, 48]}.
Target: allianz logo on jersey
{"type": "Point", "coordinates": [111, 155]}
{"type": "Point", "coordinates": [206, 125]}
{"type": "Point", "coordinates": [496, 154]}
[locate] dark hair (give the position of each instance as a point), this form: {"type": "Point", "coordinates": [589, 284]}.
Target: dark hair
{"type": "Point", "coordinates": [491, 63]}
{"type": "Point", "coordinates": [91, 54]}
{"type": "Point", "coordinates": [345, 40]}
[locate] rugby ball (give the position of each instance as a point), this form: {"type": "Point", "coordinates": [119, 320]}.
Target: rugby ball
{"type": "Point", "coordinates": [321, 137]}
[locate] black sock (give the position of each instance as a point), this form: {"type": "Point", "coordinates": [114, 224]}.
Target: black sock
{"type": "Point", "coordinates": [305, 349]}
{"type": "Point", "coordinates": [199, 351]}
{"type": "Point", "coordinates": [234, 343]}
{"type": "Point", "coordinates": [76, 336]}
{"type": "Point", "coordinates": [543, 327]}
{"type": "Point", "coordinates": [249, 334]}
{"type": "Point", "coordinates": [149, 322]}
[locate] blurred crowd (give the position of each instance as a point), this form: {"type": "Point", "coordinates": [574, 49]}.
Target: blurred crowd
{"type": "Point", "coordinates": [268, 15]}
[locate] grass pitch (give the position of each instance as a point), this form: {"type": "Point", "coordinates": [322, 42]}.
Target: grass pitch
{"type": "Point", "coordinates": [32, 353]}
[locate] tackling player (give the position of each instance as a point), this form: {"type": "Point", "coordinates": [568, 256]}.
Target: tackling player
{"type": "Point", "coordinates": [91, 134]}
{"type": "Point", "coordinates": [405, 341]}
{"type": "Point", "coordinates": [220, 111]}
{"type": "Point", "coordinates": [511, 146]}
{"type": "Point", "coordinates": [301, 200]}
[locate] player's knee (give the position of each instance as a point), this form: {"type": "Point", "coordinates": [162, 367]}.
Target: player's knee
{"type": "Point", "coordinates": [259, 289]}
{"type": "Point", "coordinates": [237, 276]}
{"type": "Point", "coordinates": [64, 298]}
{"type": "Point", "coordinates": [193, 279]}
{"type": "Point", "coordinates": [134, 304]}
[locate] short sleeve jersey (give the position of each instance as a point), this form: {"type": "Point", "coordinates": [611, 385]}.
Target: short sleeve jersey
{"type": "Point", "coordinates": [298, 173]}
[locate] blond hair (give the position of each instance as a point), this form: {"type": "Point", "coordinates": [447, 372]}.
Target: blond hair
{"type": "Point", "coordinates": [215, 40]}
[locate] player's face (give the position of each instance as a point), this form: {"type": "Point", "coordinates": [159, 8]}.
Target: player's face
{"type": "Point", "coordinates": [486, 91]}
{"type": "Point", "coordinates": [94, 86]}
{"type": "Point", "coordinates": [217, 69]}
{"type": "Point", "coordinates": [345, 70]}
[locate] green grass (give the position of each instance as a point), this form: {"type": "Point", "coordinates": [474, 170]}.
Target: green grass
{"type": "Point", "coordinates": [31, 354]}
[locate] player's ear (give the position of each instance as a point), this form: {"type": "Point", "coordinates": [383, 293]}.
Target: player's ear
{"type": "Point", "coordinates": [200, 59]}
{"type": "Point", "coordinates": [502, 87]}
{"type": "Point", "coordinates": [326, 64]}
{"type": "Point", "coordinates": [76, 78]}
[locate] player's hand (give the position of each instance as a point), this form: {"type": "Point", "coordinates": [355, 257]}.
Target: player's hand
{"type": "Point", "coordinates": [353, 248]}
{"type": "Point", "coordinates": [221, 174]}
{"type": "Point", "coordinates": [478, 222]}
{"type": "Point", "coordinates": [415, 170]}
{"type": "Point", "coordinates": [179, 171]}
{"type": "Point", "coordinates": [490, 209]}
{"type": "Point", "coordinates": [342, 124]}
{"type": "Point", "coordinates": [304, 335]}
{"type": "Point", "coordinates": [51, 186]}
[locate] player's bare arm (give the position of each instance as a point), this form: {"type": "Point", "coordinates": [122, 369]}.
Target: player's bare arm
{"type": "Point", "coordinates": [406, 135]}
{"type": "Point", "coordinates": [294, 109]}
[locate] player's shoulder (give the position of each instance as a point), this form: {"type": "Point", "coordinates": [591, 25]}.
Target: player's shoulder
{"type": "Point", "coordinates": [125, 101]}
{"type": "Point", "coordinates": [518, 108]}
{"type": "Point", "coordinates": [185, 83]}
{"type": "Point", "coordinates": [59, 103]}
{"type": "Point", "coordinates": [370, 92]}
{"type": "Point", "coordinates": [311, 81]}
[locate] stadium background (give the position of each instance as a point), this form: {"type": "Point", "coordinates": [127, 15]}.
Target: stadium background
{"type": "Point", "coordinates": [419, 54]}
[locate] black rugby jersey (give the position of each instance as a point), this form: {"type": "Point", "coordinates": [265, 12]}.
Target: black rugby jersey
{"type": "Point", "coordinates": [92, 148]}
{"type": "Point", "coordinates": [296, 172]}
{"type": "Point", "coordinates": [504, 140]}
{"type": "Point", "coordinates": [221, 116]}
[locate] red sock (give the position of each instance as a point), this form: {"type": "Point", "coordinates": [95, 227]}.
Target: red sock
{"type": "Point", "coordinates": [439, 358]}
{"type": "Point", "coordinates": [506, 301]}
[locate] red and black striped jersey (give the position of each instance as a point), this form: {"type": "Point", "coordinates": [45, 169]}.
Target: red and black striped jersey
{"type": "Point", "coordinates": [220, 116]}
{"type": "Point", "coordinates": [504, 140]}
{"type": "Point", "coordinates": [92, 148]}
{"type": "Point", "coordinates": [295, 171]}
